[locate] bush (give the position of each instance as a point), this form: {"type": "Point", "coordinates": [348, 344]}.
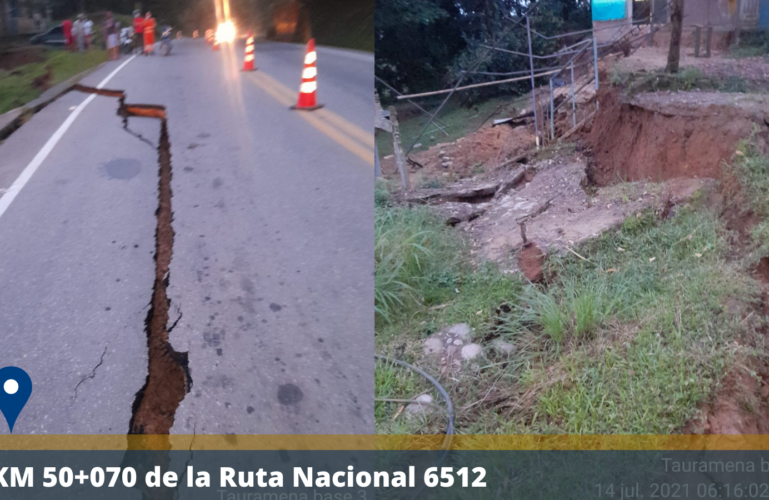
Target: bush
{"type": "Point", "coordinates": [411, 247]}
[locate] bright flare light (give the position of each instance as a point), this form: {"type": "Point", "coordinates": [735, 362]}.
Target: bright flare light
{"type": "Point", "coordinates": [225, 32]}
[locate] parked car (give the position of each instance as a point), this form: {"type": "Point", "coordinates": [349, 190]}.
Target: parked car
{"type": "Point", "coordinates": [54, 36]}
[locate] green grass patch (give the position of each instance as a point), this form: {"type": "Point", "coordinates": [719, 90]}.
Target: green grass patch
{"type": "Point", "coordinates": [394, 385]}
{"type": "Point", "coordinates": [753, 43]}
{"type": "Point", "coordinates": [457, 121]}
{"type": "Point", "coordinates": [668, 337]}
{"type": "Point", "coordinates": [633, 340]}
{"type": "Point", "coordinates": [743, 52]}
{"type": "Point", "coordinates": [413, 248]}
{"type": "Point", "coordinates": [687, 79]}
{"type": "Point", "coordinates": [750, 168]}
{"type": "Point", "coordinates": [16, 88]}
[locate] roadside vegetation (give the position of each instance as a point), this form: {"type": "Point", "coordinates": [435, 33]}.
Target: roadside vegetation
{"type": "Point", "coordinates": [27, 82]}
{"type": "Point", "coordinates": [687, 79]}
{"type": "Point", "coordinates": [751, 170]}
{"type": "Point", "coordinates": [632, 335]}
{"type": "Point", "coordinates": [458, 120]}
{"type": "Point", "coordinates": [753, 43]}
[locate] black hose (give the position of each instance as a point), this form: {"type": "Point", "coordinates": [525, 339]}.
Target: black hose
{"type": "Point", "coordinates": [444, 394]}
{"type": "Point", "coordinates": [446, 398]}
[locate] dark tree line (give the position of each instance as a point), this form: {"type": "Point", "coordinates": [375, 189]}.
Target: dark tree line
{"type": "Point", "coordinates": [424, 45]}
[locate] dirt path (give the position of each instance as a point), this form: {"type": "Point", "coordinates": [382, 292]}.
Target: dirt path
{"type": "Point", "coordinates": [719, 64]}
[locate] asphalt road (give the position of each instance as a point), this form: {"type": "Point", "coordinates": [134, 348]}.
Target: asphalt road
{"type": "Point", "coordinates": [271, 279]}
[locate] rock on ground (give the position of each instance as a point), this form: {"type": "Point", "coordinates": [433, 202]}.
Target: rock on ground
{"type": "Point", "coordinates": [451, 346]}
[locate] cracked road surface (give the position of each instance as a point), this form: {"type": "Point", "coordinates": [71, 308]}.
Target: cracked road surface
{"type": "Point", "coordinates": [271, 270]}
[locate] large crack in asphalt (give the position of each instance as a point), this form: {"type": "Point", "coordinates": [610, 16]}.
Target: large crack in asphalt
{"type": "Point", "coordinates": [168, 378]}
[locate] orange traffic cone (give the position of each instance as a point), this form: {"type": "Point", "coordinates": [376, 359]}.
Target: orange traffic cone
{"type": "Point", "coordinates": [248, 62]}
{"type": "Point", "coordinates": [308, 89]}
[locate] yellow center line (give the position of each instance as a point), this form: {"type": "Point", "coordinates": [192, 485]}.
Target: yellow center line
{"type": "Point", "coordinates": [354, 131]}
{"type": "Point", "coordinates": [349, 136]}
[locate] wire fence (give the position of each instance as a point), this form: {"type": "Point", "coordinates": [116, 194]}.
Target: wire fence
{"type": "Point", "coordinates": [571, 75]}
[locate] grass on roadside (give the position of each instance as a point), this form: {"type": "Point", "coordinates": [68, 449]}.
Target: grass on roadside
{"type": "Point", "coordinates": [750, 169]}
{"type": "Point", "coordinates": [688, 78]}
{"type": "Point", "coordinates": [633, 340]}
{"type": "Point", "coordinates": [16, 89]}
{"type": "Point", "coordinates": [411, 249]}
{"type": "Point", "coordinates": [459, 121]}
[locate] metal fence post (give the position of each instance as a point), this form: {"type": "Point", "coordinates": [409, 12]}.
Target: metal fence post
{"type": "Point", "coordinates": [533, 88]}
{"type": "Point", "coordinates": [573, 104]}
{"type": "Point", "coordinates": [595, 61]}
{"type": "Point", "coordinates": [651, 23]}
{"type": "Point", "coordinates": [552, 118]}
{"type": "Point", "coordinates": [377, 168]}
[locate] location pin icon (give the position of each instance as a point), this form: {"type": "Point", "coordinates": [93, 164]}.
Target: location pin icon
{"type": "Point", "coordinates": [15, 389]}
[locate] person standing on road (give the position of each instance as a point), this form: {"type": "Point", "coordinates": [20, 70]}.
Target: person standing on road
{"type": "Point", "coordinates": [88, 31]}
{"type": "Point", "coordinates": [78, 33]}
{"type": "Point", "coordinates": [105, 27]}
{"type": "Point", "coordinates": [66, 27]}
{"type": "Point", "coordinates": [112, 41]}
{"type": "Point", "coordinates": [138, 32]}
{"type": "Point", "coordinates": [149, 34]}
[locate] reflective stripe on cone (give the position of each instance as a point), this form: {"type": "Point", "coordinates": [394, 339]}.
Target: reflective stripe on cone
{"type": "Point", "coordinates": [309, 87]}
{"type": "Point", "coordinates": [248, 61]}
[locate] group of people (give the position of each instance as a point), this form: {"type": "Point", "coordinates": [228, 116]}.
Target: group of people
{"type": "Point", "coordinates": [144, 33]}
{"type": "Point", "coordinates": [78, 34]}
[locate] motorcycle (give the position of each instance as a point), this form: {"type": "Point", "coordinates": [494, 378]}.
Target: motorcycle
{"type": "Point", "coordinates": [126, 40]}
{"type": "Point", "coordinates": [165, 41]}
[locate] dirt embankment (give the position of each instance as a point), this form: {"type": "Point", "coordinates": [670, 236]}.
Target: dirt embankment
{"type": "Point", "coordinates": [478, 153]}
{"type": "Point", "coordinates": [662, 136]}
{"type": "Point", "coordinates": [10, 59]}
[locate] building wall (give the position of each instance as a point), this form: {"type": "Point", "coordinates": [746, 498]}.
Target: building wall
{"type": "Point", "coordinates": [709, 12]}
{"type": "Point", "coordinates": [24, 17]}
{"type": "Point", "coordinates": [717, 13]}
{"type": "Point", "coordinates": [613, 28]}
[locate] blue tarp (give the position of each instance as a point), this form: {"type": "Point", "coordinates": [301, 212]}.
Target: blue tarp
{"type": "Point", "coordinates": [608, 10]}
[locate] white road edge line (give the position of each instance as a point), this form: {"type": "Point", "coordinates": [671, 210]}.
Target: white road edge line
{"type": "Point", "coordinates": [31, 168]}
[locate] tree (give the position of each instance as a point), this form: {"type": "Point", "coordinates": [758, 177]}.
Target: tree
{"type": "Point", "coordinates": [416, 42]}
{"type": "Point", "coordinates": [676, 23]}
{"type": "Point", "coordinates": [424, 45]}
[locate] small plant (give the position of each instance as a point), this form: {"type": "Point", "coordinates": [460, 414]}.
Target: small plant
{"type": "Point", "coordinates": [411, 245]}
{"type": "Point", "coordinates": [751, 169]}
{"type": "Point", "coordinates": [552, 318]}
{"type": "Point", "coordinates": [638, 222]}
{"type": "Point", "coordinates": [617, 77]}
{"type": "Point", "coordinates": [587, 314]}
{"type": "Point", "coordinates": [432, 183]}
{"type": "Point", "coordinates": [381, 193]}
{"type": "Point", "coordinates": [689, 77]}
